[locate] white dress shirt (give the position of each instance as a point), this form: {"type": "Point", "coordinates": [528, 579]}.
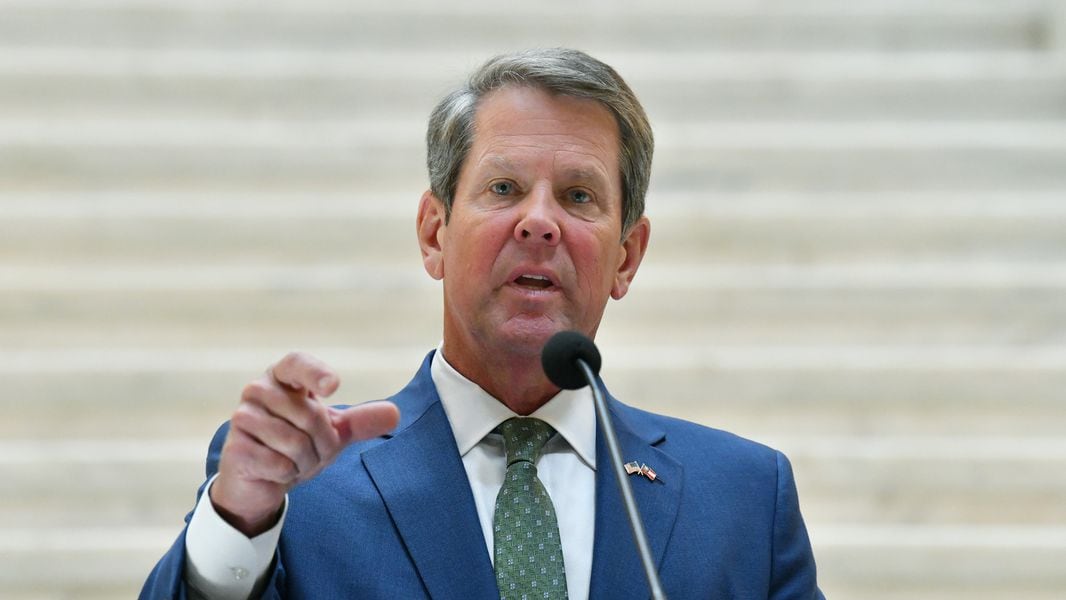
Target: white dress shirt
{"type": "Point", "coordinates": [224, 563]}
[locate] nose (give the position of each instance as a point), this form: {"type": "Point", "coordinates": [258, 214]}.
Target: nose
{"type": "Point", "coordinates": [538, 222]}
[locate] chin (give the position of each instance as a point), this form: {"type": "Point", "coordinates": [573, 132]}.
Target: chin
{"type": "Point", "coordinates": [528, 335]}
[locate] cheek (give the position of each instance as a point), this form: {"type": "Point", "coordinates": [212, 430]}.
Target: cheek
{"type": "Point", "coordinates": [476, 248]}
{"type": "Point", "coordinates": [594, 265]}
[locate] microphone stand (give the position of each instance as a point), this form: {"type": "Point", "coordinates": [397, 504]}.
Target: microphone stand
{"type": "Point", "coordinates": [635, 523]}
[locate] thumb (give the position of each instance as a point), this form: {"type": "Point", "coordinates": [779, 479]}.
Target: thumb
{"type": "Point", "coordinates": [364, 421]}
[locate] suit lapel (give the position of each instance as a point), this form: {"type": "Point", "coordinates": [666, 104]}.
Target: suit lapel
{"type": "Point", "coordinates": [616, 566]}
{"type": "Point", "coordinates": [422, 482]}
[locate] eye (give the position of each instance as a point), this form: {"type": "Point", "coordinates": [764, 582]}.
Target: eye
{"type": "Point", "coordinates": [579, 196]}
{"type": "Point", "coordinates": [501, 188]}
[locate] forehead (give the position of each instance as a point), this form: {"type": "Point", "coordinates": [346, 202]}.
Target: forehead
{"type": "Point", "coordinates": [516, 124]}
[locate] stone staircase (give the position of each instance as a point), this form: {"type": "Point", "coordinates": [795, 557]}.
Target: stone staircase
{"type": "Point", "coordinates": [858, 256]}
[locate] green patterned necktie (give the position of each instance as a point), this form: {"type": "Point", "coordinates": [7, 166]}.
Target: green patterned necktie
{"type": "Point", "coordinates": [528, 556]}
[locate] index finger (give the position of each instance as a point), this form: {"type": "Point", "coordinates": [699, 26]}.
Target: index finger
{"type": "Point", "coordinates": [302, 371]}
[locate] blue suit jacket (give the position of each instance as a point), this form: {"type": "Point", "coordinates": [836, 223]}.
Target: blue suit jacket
{"type": "Point", "coordinates": [394, 517]}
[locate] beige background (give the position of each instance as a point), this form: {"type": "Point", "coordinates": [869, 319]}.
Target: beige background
{"type": "Point", "coordinates": [858, 256]}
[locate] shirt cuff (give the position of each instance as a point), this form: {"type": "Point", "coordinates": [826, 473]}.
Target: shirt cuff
{"type": "Point", "coordinates": [222, 562]}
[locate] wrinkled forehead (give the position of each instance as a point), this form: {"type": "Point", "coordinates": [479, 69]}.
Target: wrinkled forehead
{"type": "Point", "coordinates": [527, 101]}
{"type": "Point", "coordinates": [514, 123]}
{"type": "Point", "coordinates": [503, 162]}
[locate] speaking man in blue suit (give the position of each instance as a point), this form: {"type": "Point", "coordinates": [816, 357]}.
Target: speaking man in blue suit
{"type": "Point", "coordinates": [481, 479]}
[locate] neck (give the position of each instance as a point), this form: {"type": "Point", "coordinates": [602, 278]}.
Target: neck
{"type": "Point", "coordinates": [518, 383]}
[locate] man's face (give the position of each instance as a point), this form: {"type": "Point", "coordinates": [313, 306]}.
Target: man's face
{"type": "Point", "coordinates": [534, 243]}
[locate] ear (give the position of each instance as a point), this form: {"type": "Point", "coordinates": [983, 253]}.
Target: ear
{"type": "Point", "coordinates": [633, 247]}
{"type": "Point", "coordinates": [430, 228]}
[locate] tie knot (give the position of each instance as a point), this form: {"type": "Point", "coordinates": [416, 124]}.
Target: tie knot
{"type": "Point", "coordinates": [524, 438]}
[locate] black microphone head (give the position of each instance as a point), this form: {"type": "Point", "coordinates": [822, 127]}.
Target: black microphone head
{"type": "Point", "coordinates": [559, 359]}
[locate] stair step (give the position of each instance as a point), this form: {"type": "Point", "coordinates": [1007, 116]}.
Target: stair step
{"type": "Point", "coordinates": [717, 239]}
{"type": "Point", "coordinates": [988, 561]}
{"type": "Point", "coordinates": [701, 316]}
{"type": "Point", "coordinates": [193, 398]}
{"type": "Point", "coordinates": [398, 204]}
{"type": "Point", "coordinates": [309, 157]}
{"type": "Point", "coordinates": [970, 562]}
{"type": "Point", "coordinates": [294, 83]}
{"type": "Point", "coordinates": [400, 277]}
{"type": "Point", "coordinates": [823, 25]}
{"type": "Point", "coordinates": [905, 481]}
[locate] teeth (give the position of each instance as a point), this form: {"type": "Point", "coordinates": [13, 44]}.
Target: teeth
{"type": "Point", "coordinates": [534, 281]}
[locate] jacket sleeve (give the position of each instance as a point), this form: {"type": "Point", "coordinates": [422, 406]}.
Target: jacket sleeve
{"type": "Point", "coordinates": [793, 575]}
{"type": "Point", "coordinates": [167, 579]}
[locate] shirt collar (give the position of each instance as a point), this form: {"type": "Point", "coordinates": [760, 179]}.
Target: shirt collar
{"type": "Point", "coordinates": [474, 413]}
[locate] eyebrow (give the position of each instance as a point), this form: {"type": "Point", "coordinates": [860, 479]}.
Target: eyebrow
{"type": "Point", "coordinates": [501, 162]}
{"type": "Point", "coordinates": [584, 174]}
{"type": "Point", "coordinates": [588, 174]}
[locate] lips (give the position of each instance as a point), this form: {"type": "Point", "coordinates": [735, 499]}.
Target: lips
{"type": "Point", "coordinates": [533, 279]}
{"type": "Point", "coordinates": [539, 282]}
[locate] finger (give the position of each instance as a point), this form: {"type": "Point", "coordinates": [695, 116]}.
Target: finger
{"type": "Point", "coordinates": [278, 435]}
{"type": "Point", "coordinates": [306, 414]}
{"type": "Point", "coordinates": [251, 460]}
{"type": "Point", "coordinates": [365, 421]}
{"type": "Point", "coordinates": [301, 371]}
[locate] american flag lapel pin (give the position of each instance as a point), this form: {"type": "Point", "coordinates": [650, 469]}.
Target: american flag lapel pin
{"type": "Point", "coordinates": [648, 472]}
{"type": "Point", "coordinates": [636, 468]}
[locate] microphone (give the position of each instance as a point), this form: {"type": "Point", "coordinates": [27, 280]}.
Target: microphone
{"type": "Point", "coordinates": [571, 361]}
{"type": "Point", "coordinates": [560, 355]}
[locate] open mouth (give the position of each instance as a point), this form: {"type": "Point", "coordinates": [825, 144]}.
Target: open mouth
{"type": "Point", "coordinates": [535, 282]}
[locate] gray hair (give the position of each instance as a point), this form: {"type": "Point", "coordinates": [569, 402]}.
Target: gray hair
{"type": "Point", "coordinates": [558, 71]}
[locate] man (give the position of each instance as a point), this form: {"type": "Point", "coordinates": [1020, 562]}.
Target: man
{"type": "Point", "coordinates": [538, 171]}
